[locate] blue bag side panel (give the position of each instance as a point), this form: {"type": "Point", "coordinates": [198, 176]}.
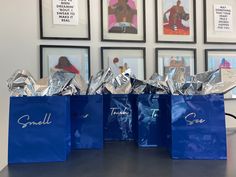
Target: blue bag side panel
{"type": "Point", "coordinates": [134, 105]}
{"type": "Point", "coordinates": [87, 121]}
{"type": "Point", "coordinates": [149, 123]}
{"type": "Point", "coordinates": [198, 127]}
{"type": "Point", "coordinates": [117, 118]}
{"type": "Point", "coordinates": [165, 119]}
{"type": "Point", "coordinates": [68, 130]}
{"type": "Point", "coordinates": [37, 129]}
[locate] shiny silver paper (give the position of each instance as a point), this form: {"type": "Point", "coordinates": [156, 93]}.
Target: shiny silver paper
{"type": "Point", "coordinates": [41, 87]}
{"type": "Point", "coordinates": [78, 85]}
{"type": "Point", "coordinates": [58, 81]}
{"type": "Point", "coordinates": [138, 86]}
{"type": "Point", "coordinates": [120, 84]}
{"type": "Point", "coordinates": [96, 83]}
{"type": "Point", "coordinates": [175, 80]}
{"type": "Point", "coordinates": [21, 83]}
{"type": "Point", "coordinates": [156, 77]}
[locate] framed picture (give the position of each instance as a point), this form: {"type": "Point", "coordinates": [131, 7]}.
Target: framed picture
{"type": "Point", "coordinates": [64, 19]}
{"type": "Point", "coordinates": [72, 59]}
{"type": "Point", "coordinates": [175, 21]}
{"type": "Point", "coordinates": [121, 58]}
{"type": "Point", "coordinates": [219, 23]}
{"type": "Point", "coordinates": [221, 58]}
{"type": "Point", "coordinates": [169, 58]}
{"type": "Point", "coordinates": [123, 20]}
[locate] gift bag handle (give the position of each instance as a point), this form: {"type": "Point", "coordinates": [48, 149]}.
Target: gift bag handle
{"type": "Point", "coordinates": [230, 115]}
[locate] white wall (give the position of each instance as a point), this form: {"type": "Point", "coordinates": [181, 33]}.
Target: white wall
{"type": "Point", "coordinates": [19, 48]}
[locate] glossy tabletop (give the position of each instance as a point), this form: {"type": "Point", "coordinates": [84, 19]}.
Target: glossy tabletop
{"type": "Point", "coordinates": [124, 159]}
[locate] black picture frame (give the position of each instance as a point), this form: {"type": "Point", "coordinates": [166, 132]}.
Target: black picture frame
{"type": "Point", "coordinates": [142, 49]}
{"type": "Point", "coordinates": [178, 41]}
{"type": "Point", "coordinates": [223, 38]}
{"type": "Point", "coordinates": [193, 50]}
{"type": "Point", "coordinates": [62, 53]}
{"type": "Point", "coordinates": [124, 38]}
{"type": "Point", "coordinates": [68, 37]}
{"type": "Point", "coordinates": [221, 52]}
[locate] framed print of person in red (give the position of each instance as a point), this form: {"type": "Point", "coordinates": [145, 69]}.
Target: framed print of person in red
{"type": "Point", "coordinates": [73, 59]}
{"type": "Point", "coordinates": [175, 21]}
{"type": "Point", "coordinates": [65, 64]}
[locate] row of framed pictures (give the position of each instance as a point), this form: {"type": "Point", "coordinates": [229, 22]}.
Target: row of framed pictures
{"type": "Point", "coordinates": [124, 20]}
{"type": "Point", "coordinates": [76, 59]}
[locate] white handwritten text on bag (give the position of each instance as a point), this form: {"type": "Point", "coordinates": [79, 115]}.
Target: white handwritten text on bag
{"type": "Point", "coordinates": [117, 111]}
{"type": "Point", "coordinates": [25, 121]}
{"type": "Point", "coordinates": [154, 113]}
{"type": "Point", "coordinates": [191, 119]}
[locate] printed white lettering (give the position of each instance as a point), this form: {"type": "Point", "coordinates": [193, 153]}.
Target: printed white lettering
{"type": "Point", "coordinates": [191, 119]}
{"type": "Point", "coordinates": [26, 121]}
{"type": "Point", "coordinates": [117, 111]}
{"type": "Point", "coordinates": [85, 116]}
{"type": "Point", "coordinates": [154, 113]}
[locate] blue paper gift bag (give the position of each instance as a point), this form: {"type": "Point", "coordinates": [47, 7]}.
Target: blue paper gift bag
{"type": "Point", "coordinates": [39, 129]}
{"type": "Point", "coordinates": [87, 121]}
{"type": "Point", "coordinates": [165, 118]}
{"type": "Point", "coordinates": [198, 127]}
{"type": "Point", "coordinates": [149, 127]}
{"type": "Point", "coordinates": [118, 123]}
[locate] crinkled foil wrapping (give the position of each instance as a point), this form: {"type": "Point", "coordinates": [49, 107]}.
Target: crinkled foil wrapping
{"type": "Point", "coordinates": [58, 83]}
{"type": "Point", "coordinates": [155, 85]}
{"type": "Point", "coordinates": [21, 83]}
{"type": "Point", "coordinates": [203, 84]}
{"type": "Point", "coordinates": [138, 86]}
{"type": "Point", "coordinates": [120, 84]}
{"type": "Point", "coordinates": [96, 83]}
{"type": "Point", "coordinates": [175, 80]}
{"type": "Point", "coordinates": [177, 83]}
{"type": "Point", "coordinates": [41, 87]}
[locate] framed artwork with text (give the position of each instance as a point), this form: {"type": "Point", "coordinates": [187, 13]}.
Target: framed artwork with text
{"type": "Point", "coordinates": [64, 19]}
{"type": "Point", "coordinates": [219, 22]}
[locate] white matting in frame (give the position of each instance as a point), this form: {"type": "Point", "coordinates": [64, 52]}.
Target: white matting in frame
{"type": "Point", "coordinates": [220, 12]}
{"type": "Point", "coordinates": [71, 59]}
{"type": "Point", "coordinates": [225, 59]}
{"type": "Point", "coordinates": [55, 22]}
{"type": "Point", "coordinates": [176, 21]}
{"type": "Point", "coordinates": [121, 59]}
{"type": "Point", "coordinates": [171, 58]}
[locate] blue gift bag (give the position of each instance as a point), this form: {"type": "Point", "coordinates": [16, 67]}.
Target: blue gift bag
{"type": "Point", "coordinates": [118, 117]}
{"type": "Point", "coordinates": [165, 119]}
{"type": "Point", "coordinates": [198, 127]}
{"type": "Point", "coordinates": [149, 132]}
{"type": "Point", "coordinates": [39, 129]}
{"type": "Point", "coordinates": [87, 121]}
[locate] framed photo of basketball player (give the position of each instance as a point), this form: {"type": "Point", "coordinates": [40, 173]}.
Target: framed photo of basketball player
{"type": "Point", "coordinates": [64, 19]}
{"type": "Point", "coordinates": [73, 59]}
{"type": "Point", "coordinates": [169, 58]}
{"type": "Point", "coordinates": [225, 59]}
{"type": "Point", "coordinates": [120, 59]}
{"type": "Point", "coordinates": [123, 20]}
{"type": "Point", "coordinates": [219, 22]}
{"type": "Point", "coordinates": [175, 21]}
